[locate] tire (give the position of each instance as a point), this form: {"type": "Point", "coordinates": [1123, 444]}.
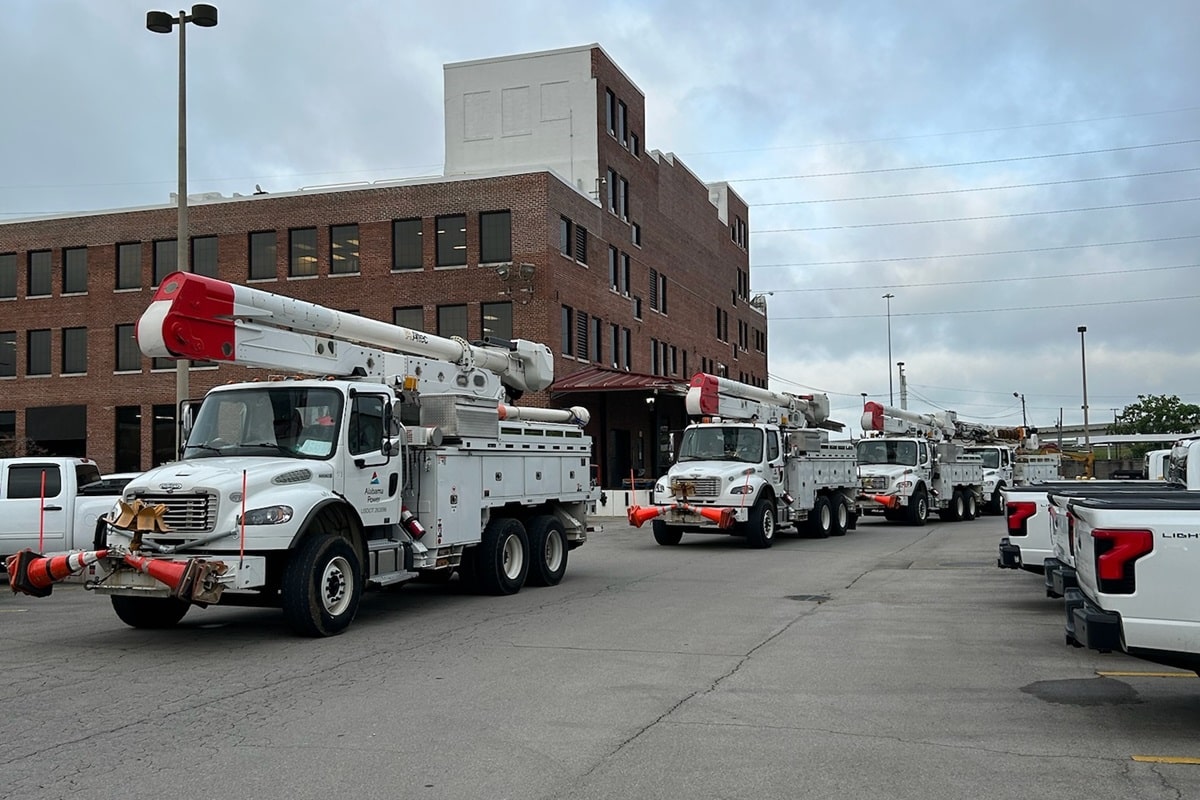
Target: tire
{"type": "Point", "coordinates": [149, 612]}
{"type": "Point", "coordinates": [918, 508]}
{"type": "Point", "coordinates": [958, 506]}
{"type": "Point", "coordinates": [547, 551]}
{"type": "Point", "coordinates": [996, 504]}
{"type": "Point", "coordinates": [761, 527]}
{"type": "Point", "coordinates": [502, 563]}
{"type": "Point", "coordinates": [972, 506]}
{"type": "Point", "coordinates": [841, 517]}
{"type": "Point", "coordinates": [820, 519]}
{"type": "Point", "coordinates": [322, 586]}
{"type": "Point", "coordinates": [666, 535]}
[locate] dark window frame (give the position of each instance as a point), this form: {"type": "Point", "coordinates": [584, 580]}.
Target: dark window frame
{"type": "Point", "coordinates": [166, 250]}
{"type": "Point", "coordinates": [201, 266]}
{"type": "Point", "coordinates": [302, 253]}
{"type": "Point", "coordinates": [350, 239]}
{"type": "Point", "coordinates": [495, 236]}
{"type": "Point", "coordinates": [74, 273]}
{"type": "Point", "coordinates": [403, 251]}
{"type": "Point", "coordinates": [39, 351]}
{"type": "Point", "coordinates": [8, 276]}
{"type": "Point", "coordinates": [399, 311]}
{"type": "Point", "coordinates": [131, 339]}
{"type": "Point", "coordinates": [129, 265]}
{"type": "Point", "coordinates": [39, 275]}
{"type": "Point", "coordinates": [263, 257]}
{"type": "Point", "coordinates": [74, 363]}
{"type": "Point", "coordinates": [443, 325]}
{"type": "Point", "coordinates": [451, 242]}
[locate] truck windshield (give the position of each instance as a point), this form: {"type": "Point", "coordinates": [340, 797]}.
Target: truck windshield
{"type": "Point", "coordinates": [721, 443]}
{"type": "Point", "coordinates": [272, 420]}
{"type": "Point", "coordinates": [881, 451]}
{"type": "Point", "coordinates": [990, 456]}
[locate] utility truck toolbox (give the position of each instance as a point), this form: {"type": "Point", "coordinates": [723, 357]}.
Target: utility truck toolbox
{"type": "Point", "coordinates": [401, 458]}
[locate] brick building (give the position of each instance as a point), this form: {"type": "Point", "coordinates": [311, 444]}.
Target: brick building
{"type": "Point", "coordinates": [551, 223]}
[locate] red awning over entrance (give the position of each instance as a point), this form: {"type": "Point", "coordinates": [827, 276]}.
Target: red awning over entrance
{"type": "Point", "coordinates": [600, 379]}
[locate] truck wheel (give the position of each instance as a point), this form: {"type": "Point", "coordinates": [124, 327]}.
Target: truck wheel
{"type": "Point", "coordinates": [665, 534]}
{"type": "Point", "coordinates": [957, 511]}
{"type": "Point", "coordinates": [548, 550]}
{"type": "Point", "coordinates": [760, 528]}
{"type": "Point", "coordinates": [322, 586]}
{"type": "Point", "coordinates": [972, 505]}
{"type": "Point", "coordinates": [820, 519]}
{"type": "Point", "coordinates": [149, 612]}
{"type": "Point", "coordinates": [502, 562]}
{"type": "Point", "coordinates": [996, 505]}
{"type": "Point", "coordinates": [841, 517]}
{"type": "Point", "coordinates": [918, 507]}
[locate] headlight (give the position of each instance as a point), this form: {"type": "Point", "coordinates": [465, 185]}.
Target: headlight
{"type": "Point", "coordinates": [904, 485]}
{"type": "Point", "coordinates": [271, 515]}
{"type": "Point", "coordinates": [743, 489]}
{"type": "Point", "coordinates": [661, 488]}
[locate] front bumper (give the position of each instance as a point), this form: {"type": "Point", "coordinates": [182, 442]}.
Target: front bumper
{"type": "Point", "coordinates": [114, 576]}
{"type": "Point", "coordinates": [673, 515]}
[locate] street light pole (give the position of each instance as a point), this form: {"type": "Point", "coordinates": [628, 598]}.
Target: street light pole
{"type": "Point", "coordinates": [1087, 437]}
{"type": "Point", "coordinates": [891, 397]}
{"type": "Point", "coordinates": [1024, 420]}
{"type": "Point", "coordinates": [204, 16]}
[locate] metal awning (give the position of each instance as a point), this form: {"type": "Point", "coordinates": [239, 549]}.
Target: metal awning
{"type": "Point", "coordinates": [601, 379]}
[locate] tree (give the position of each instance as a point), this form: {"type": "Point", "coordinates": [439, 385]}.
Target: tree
{"type": "Point", "coordinates": [1157, 413]}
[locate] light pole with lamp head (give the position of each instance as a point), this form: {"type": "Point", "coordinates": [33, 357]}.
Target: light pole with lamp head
{"type": "Point", "coordinates": [891, 397]}
{"type": "Point", "coordinates": [1024, 421]}
{"type": "Point", "coordinates": [204, 16]}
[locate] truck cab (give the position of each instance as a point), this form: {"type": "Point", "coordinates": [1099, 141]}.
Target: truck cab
{"type": "Point", "coordinates": [997, 473]}
{"type": "Point", "coordinates": [899, 467]}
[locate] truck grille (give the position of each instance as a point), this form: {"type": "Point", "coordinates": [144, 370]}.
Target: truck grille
{"type": "Point", "coordinates": [696, 487]}
{"type": "Point", "coordinates": [187, 513]}
{"type": "Point", "coordinates": [875, 482]}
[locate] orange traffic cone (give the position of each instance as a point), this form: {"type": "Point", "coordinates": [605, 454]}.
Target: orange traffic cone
{"type": "Point", "coordinates": [169, 572]}
{"type": "Point", "coordinates": [722, 516]}
{"type": "Point", "coordinates": [639, 514]}
{"type": "Point", "coordinates": [34, 574]}
{"type": "Point", "coordinates": [885, 500]}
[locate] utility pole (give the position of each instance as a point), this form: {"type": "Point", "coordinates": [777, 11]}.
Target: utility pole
{"type": "Point", "coordinates": [903, 386]}
{"type": "Point", "coordinates": [891, 397]}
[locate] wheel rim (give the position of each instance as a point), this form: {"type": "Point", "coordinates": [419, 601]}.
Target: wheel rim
{"type": "Point", "coordinates": [335, 586]}
{"type": "Point", "coordinates": [513, 558]}
{"type": "Point", "coordinates": [768, 525]}
{"type": "Point", "coordinates": [843, 515]}
{"type": "Point", "coordinates": [553, 554]}
{"type": "Point", "coordinates": [826, 518]}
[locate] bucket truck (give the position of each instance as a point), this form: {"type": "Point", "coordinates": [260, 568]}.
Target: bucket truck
{"type": "Point", "coordinates": [910, 464]}
{"type": "Point", "coordinates": [402, 460]}
{"type": "Point", "coordinates": [1010, 458]}
{"type": "Point", "coordinates": [751, 461]}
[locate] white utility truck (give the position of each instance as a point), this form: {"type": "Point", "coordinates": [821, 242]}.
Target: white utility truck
{"type": "Point", "coordinates": [753, 460]}
{"type": "Point", "coordinates": [910, 464]}
{"type": "Point", "coordinates": [401, 461]}
{"type": "Point", "coordinates": [1010, 458]}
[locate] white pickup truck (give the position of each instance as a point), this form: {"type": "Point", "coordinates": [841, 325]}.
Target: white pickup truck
{"type": "Point", "coordinates": [1136, 561]}
{"type": "Point", "coordinates": [52, 504]}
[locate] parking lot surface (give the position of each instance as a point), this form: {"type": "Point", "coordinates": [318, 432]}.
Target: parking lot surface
{"type": "Point", "coordinates": [896, 662]}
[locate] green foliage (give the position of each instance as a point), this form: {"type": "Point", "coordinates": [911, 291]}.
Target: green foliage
{"type": "Point", "coordinates": [1154, 413]}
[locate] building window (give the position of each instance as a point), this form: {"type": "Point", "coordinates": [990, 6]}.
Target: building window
{"type": "Point", "coordinates": [610, 187]}
{"type": "Point", "coordinates": [674, 360]}
{"type": "Point", "coordinates": [615, 344]}
{"type": "Point", "coordinates": [564, 236]}
{"type": "Point", "coordinates": [623, 200]}
{"type": "Point", "coordinates": [654, 356]}
{"type": "Point", "coordinates": [37, 352]}
{"type": "Point", "coordinates": [129, 265]}
{"type": "Point", "coordinates": [610, 111]}
{"type": "Point", "coordinates": [452, 241]}
{"type": "Point", "coordinates": [165, 260]}
{"type": "Point", "coordinates": [635, 146]}
{"type": "Point", "coordinates": [8, 434]}
{"type": "Point", "coordinates": [262, 255]}
{"type": "Point", "coordinates": [627, 347]}
{"type": "Point", "coordinates": [581, 240]}
{"type": "Point", "coordinates": [495, 237]}
{"type": "Point", "coordinates": [412, 317]}
{"type": "Point", "coordinates": [654, 289]}
{"type": "Point", "coordinates": [662, 293]}
{"type": "Point", "coordinates": [302, 252]}
{"type": "Point", "coordinates": [162, 435]}
{"type": "Point", "coordinates": [452, 321]}
{"type": "Point", "coordinates": [497, 320]}
{"type": "Point", "coordinates": [598, 340]}
{"type": "Point", "coordinates": [128, 451]}
{"type": "Point", "coordinates": [8, 275]}
{"type": "Point", "coordinates": [622, 122]}
{"type": "Point", "coordinates": [568, 331]}
{"type": "Point", "coordinates": [583, 327]}
{"type": "Point", "coordinates": [39, 274]}
{"type": "Point", "coordinates": [737, 231]}
{"type": "Point", "coordinates": [407, 250]}
{"type": "Point", "coordinates": [74, 270]}
{"type": "Point", "coordinates": [204, 256]}
{"type": "Point", "coordinates": [74, 351]}
{"type": "Point", "coordinates": [343, 250]}
{"type": "Point", "coordinates": [626, 271]}
{"type": "Point", "coordinates": [635, 233]}
{"type": "Point", "coordinates": [637, 307]}
{"type": "Point", "coordinates": [129, 357]}
{"type": "Point", "coordinates": [8, 354]}
{"type": "Point", "coordinates": [614, 282]}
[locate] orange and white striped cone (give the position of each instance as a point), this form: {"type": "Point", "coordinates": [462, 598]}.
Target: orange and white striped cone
{"type": "Point", "coordinates": [722, 516]}
{"type": "Point", "coordinates": [885, 500]}
{"type": "Point", "coordinates": [35, 574]}
{"type": "Point", "coordinates": [638, 515]}
{"type": "Point", "coordinates": [169, 572]}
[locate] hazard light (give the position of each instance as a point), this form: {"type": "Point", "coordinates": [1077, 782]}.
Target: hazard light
{"type": "Point", "coordinates": [1116, 553]}
{"type": "Point", "coordinates": [1017, 513]}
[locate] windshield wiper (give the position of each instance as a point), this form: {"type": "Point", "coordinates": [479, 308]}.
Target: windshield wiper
{"type": "Point", "coordinates": [274, 446]}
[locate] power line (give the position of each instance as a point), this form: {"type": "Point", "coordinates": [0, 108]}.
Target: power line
{"type": "Point", "coordinates": [978, 218]}
{"type": "Point", "coordinates": [976, 189]}
{"type": "Point", "coordinates": [995, 310]}
{"type": "Point", "coordinates": [960, 163]}
{"type": "Point", "coordinates": [873, 287]}
{"type": "Point", "coordinates": [973, 255]}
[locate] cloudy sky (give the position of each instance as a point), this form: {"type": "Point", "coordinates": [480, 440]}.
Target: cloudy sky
{"type": "Point", "coordinates": [1008, 171]}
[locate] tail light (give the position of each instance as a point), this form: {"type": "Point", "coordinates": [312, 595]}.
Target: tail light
{"type": "Point", "coordinates": [1017, 514]}
{"type": "Point", "coordinates": [1116, 553]}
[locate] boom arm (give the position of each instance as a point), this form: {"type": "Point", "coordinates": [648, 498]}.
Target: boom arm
{"type": "Point", "coordinates": [710, 395]}
{"type": "Point", "coordinates": [196, 317]}
{"type": "Point", "coordinates": [944, 424]}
